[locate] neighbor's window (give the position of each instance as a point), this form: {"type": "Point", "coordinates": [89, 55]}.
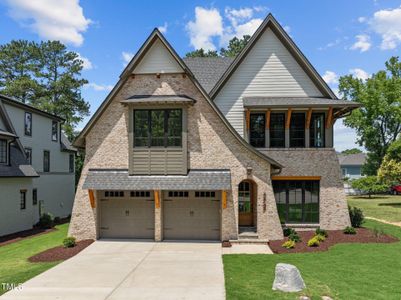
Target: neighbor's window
{"type": "Point", "coordinates": [277, 130]}
{"type": "Point", "coordinates": [46, 161]}
{"type": "Point", "coordinates": [28, 124]}
{"type": "Point", "coordinates": [257, 129]}
{"type": "Point", "coordinates": [297, 130]}
{"type": "Point", "coordinates": [158, 128]}
{"type": "Point", "coordinates": [316, 131]}
{"type": "Point", "coordinates": [34, 196]}
{"type": "Point", "coordinates": [297, 201]}
{"type": "Point", "coordinates": [54, 131]}
{"type": "Point", "coordinates": [22, 199]}
{"type": "Point", "coordinates": [71, 163]}
{"type": "Point", "coordinates": [28, 153]}
{"type": "Point", "coordinates": [3, 151]}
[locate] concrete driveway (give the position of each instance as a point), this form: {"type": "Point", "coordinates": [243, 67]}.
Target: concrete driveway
{"type": "Point", "coordinates": [132, 270]}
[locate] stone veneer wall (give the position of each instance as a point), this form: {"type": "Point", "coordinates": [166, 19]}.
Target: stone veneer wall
{"type": "Point", "coordinates": [318, 162]}
{"type": "Point", "coordinates": [210, 146]}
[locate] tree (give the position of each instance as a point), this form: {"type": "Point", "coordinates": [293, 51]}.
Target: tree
{"type": "Point", "coordinates": [18, 65]}
{"type": "Point", "coordinates": [235, 46]}
{"type": "Point", "coordinates": [351, 151]}
{"type": "Point", "coordinates": [369, 184]}
{"type": "Point", "coordinates": [201, 53]}
{"type": "Point", "coordinates": [390, 169]}
{"type": "Point", "coordinates": [378, 122]}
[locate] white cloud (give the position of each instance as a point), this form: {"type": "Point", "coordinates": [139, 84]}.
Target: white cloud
{"type": "Point", "coordinates": [98, 87]}
{"type": "Point", "coordinates": [362, 19]}
{"type": "Point", "coordinates": [54, 20]}
{"type": "Point", "coordinates": [163, 29]}
{"type": "Point", "coordinates": [387, 23]}
{"type": "Point", "coordinates": [331, 44]}
{"type": "Point", "coordinates": [359, 73]}
{"type": "Point", "coordinates": [287, 28]}
{"type": "Point", "coordinates": [247, 28]}
{"type": "Point", "coordinates": [330, 77]}
{"type": "Point", "coordinates": [362, 43]}
{"type": "Point", "coordinates": [235, 15]}
{"type": "Point", "coordinates": [208, 24]}
{"type": "Point", "coordinates": [87, 64]}
{"type": "Point", "coordinates": [127, 56]}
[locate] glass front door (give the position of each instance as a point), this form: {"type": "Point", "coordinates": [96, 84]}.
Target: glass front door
{"type": "Point", "coordinates": [245, 204]}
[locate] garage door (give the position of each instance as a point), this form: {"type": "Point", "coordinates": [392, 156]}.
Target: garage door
{"type": "Point", "coordinates": [127, 214]}
{"type": "Point", "coordinates": [191, 215]}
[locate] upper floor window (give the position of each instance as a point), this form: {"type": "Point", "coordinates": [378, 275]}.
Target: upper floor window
{"type": "Point", "coordinates": [3, 151]}
{"type": "Point", "coordinates": [46, 161]}
{"type": "Point", "coordinates": [28, 154]}
{"type": "Point", "coordinates": [277, 130]}
{"type": "Point", "coordinates": [316, 131]}
{"type": "Point", "coordinates": [34, 197]}
{"type": "Point", "coordinates": [257, 129]}
{"type": "Point", "coordinates": [54, 131]}
{"type": "Point", "coordinates": [71, 163]}
{"type": "Point", "coordinates": [28, 124]}
{"type": "Point", "coordinates": [297, 130]}
{"type": "Point", "coordinates": [22, 199]}
{"type": "Point", "coordinates": [158, 128]}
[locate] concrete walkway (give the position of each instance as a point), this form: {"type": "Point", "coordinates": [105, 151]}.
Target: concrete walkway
{"type": "Point", "coordinates": [385, 222]}
{"type": "Point", "coordinates": [132, 270]}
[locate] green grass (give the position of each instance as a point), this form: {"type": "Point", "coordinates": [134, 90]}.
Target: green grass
{"type": "Point", "coordinates": [346, 271]}
{"type": "Point", "coordinates": [14, 266]}
{"type": "Point", "coordinates": [384, 207]}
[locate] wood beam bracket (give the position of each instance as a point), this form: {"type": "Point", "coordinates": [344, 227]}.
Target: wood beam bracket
{"type": "Point", "coordinates": [288, 119]}
{"type": "Point", "coordinates": [157, 198]}
{"type": "Point", "coordinates": [268, 119]}
{"type": "Point", "coordinates": [92, 198]}
{"type": "Point", "coordinates": [308, 118]}
{"type": "Point", "coordinates": [329, 119]}
{"type": "Point", "coordinates": [224, 199]}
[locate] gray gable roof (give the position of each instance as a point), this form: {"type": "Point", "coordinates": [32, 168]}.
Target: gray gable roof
{"type": "Point", "coordinates": [208, 70]}
{"type": "Point", "coordinates": [357, 159]}
{"type": "Point", "coordinates": [18, 166]}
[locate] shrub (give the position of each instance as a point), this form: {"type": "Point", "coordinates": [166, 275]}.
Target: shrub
{"type": "Point", "coordinates": [320, 237]}
{"type": "Point", "coordinates": [46, 221]}
{"type": "Point", "coordinates": [294, 237]}
{"type": "Point", "coordinates": [313, 242]}
{"type": "Point", "coordinates": [369, 185]}
{"type": "Point", "coordinates": [57, 220]}
{"type": "Point", "coordinates": [287, 231]}
{"type": "Point", "coordinates": [377, 232]}
{"type": "Point", "coordinates": [349, 230]}
{"type": "Point", "coordinates": [289, 244]}
{"type": "Point", "coordinates": [356, 216]}
{"type": "Point", "coordinates": [321, 232]}
{"type": "Point", "coordinates": [69, 242]}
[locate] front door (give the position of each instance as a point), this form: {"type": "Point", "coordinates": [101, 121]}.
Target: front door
{"type": "Point", "coordinates": [245, 204]}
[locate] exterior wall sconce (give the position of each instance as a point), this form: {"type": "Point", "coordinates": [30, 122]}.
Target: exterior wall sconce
{"type": "Point", "coordinates": [248, 171]}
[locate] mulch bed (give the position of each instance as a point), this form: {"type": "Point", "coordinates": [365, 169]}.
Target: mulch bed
{"type": "Point", "coordinates": [60, 253]}
{"type": "Point", "coordinates": [363, 235]}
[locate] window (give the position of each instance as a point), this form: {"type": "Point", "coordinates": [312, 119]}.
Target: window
{"type": "Point", "coordinates": [277, 130]}
{"type": "Point", "coordinates": [28, 153]}
{"type": "Point", "coordinates": [22, 199]}
{"type": "Point", "coordinates": [114, 193]}
{"type": "Point", "coordinates": [244, 197]}
{"type": "Point", "coordinates": [297, 201]}
{"type": "Point", "coordinates": [54, 131]}
{"type": "Point", "coordinates": [34, 197]}
{"type": "Point", "coordinates": [3, 152]}
{"type": "Point", "coordinates": [46, 161]}
{"type": "Point", "coordinates": [205, 194]}
{"type": "Point", "coordinates": [180, 194]}
{"type": "Point", "coordinates": [257, 129]}
{"type": "Point", "coordinates": [140, 194]}
{"type": "Point", "coordinates": [28, 124]}
{"type": "Point", "coordinates": [297, 130]}
{"type": "Point", "coordinates": [316, 131]}
{"type": "Point", "coordinates": [71, 163]}
{"type": "Point", "coordinates": [158, 128]}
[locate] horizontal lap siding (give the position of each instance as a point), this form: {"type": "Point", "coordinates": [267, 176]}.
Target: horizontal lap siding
{"type": "Point", "coordinates": [158, 161]}
{"type": "Point", "coordinates": [268, 70]}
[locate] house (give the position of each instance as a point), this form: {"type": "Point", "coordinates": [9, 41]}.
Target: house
{"type": "Point", "coordinates": [212, 148]}
{"type": "Point", "coordinates": [351, 168]}
{"type": "Point", "coordinates": [36, 166]}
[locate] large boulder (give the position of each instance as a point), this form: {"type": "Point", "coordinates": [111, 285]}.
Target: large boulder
{"type": "Point", "coordinates": [288, 278]}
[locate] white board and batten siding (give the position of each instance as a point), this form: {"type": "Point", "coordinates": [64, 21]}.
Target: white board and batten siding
{"type": "Point", "coordinates": [268, 70]}
{"type": "Point", "coordinates": [158, 60]}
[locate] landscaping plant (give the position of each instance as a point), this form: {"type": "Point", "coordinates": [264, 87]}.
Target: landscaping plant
{"type": "Point", "coordinates": [356, 216]}
{"type": "Point", "coordinates": [69, 242]}
{"type": "Point", "coordinates": [322, 232]}
{"type": "Point", "coordinates": [320, 237]}
{"type": "Point", "coordinates": [289, 244]}
{"type": "Point", "coordinates": [46, 221]}
{"type": "Point", "coordinates": [287, 231]}
{"type": "Point", "coordinates": [349, 230]}
{"type": "Point", "coordinates": [313, 242]}
{"type": "Point", "coordinates": [294, 237]}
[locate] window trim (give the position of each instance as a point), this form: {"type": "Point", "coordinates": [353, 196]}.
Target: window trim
{"type": "Point", "coordinates": [263, 114]}
{"type": "Point", "coordinates": [22, 199]}
{"type": "Point", "coordinates": [7, 152]}
{"type": "Point", "coordinates": [54, 122]}
{"type": "Point", "coordinates": [46, 170]}
{"type": "Point", "coordinates": [25, 132]}
{"type": "Point", "coordinates": [29, 150]}
{"type": "Point", "coordinates": [303, 127]}
{"type": "Point", "coordinates": [284, 130]}
{"type": "Point", "coordinates": [323, 127]}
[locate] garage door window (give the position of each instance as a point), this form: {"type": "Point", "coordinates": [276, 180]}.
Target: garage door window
{"type": "Point", "coordinates": [140, 194]}
{"type": "Point", "coordinates": [114, 193]}
{"type": "Point", "coordinates": [205, 194]}
{"type": "Point", "coordinates": [178, 193]}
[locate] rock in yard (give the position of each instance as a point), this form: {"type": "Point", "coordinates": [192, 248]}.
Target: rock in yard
{"type": "Point", "coordinates": [288, 278]}
{"type": "Point", "coordinates": [304, 298]}
{"type": "Point", "coordinates": [326, 298]}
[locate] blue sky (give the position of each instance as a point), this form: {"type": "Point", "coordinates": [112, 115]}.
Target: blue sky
{"type": "Point", "coordinates": [339, 37]}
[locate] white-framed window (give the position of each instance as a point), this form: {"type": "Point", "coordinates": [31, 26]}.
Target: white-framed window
{"type": "Point", "coordinates": [54, 131]}
{"type": "Point", "coordinates": [3, 151]}
{"type": "Point", "coordinates": [28, 154]}
{"type": "Point", "coordinates": [46, 161]}
{"type": "Point", "coordinates": [22, 199]}
{"type": "Point", "coordinates": [28, 124]}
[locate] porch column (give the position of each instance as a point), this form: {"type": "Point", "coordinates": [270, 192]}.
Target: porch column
{"type": "Point", "coordinates": [158, 215]}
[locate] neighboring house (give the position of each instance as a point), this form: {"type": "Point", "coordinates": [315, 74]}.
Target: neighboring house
{"type": "Point", "coordinates": [36, 166]}
{"type": "Point", "coordinates": [212, 148]}
{"type": "Point", "coordinates": [351, 168]}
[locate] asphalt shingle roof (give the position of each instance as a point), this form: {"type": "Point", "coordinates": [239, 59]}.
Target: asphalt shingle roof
{"type": "Point", "coordinates": [159, 99]}
{"type": "Point", "coordinates": [294, 102]}
{"type": "Point", "coordinates": [18, 166]}
{"type": "Point", "coordinates": [208, 70]}
{"type": "Point", "coordinates": [357, 159]}
{"type": "Point", "coordinates": [109, 179]}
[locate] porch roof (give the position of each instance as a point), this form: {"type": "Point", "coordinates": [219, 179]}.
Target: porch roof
{"type": "Point", "coordinates": [284, 102]}
{"type": "Point", "coordinates": [117, 179]}
{"type": "Point", "coordinates": [158, 99]}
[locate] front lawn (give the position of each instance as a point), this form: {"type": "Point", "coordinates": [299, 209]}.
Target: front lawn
{"type": "Point", "coordinates": [384, 207]}
{"type": "Point", "coordinates": [345, 271]}
{"type": "Point", "coordinates": [14, 266]}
